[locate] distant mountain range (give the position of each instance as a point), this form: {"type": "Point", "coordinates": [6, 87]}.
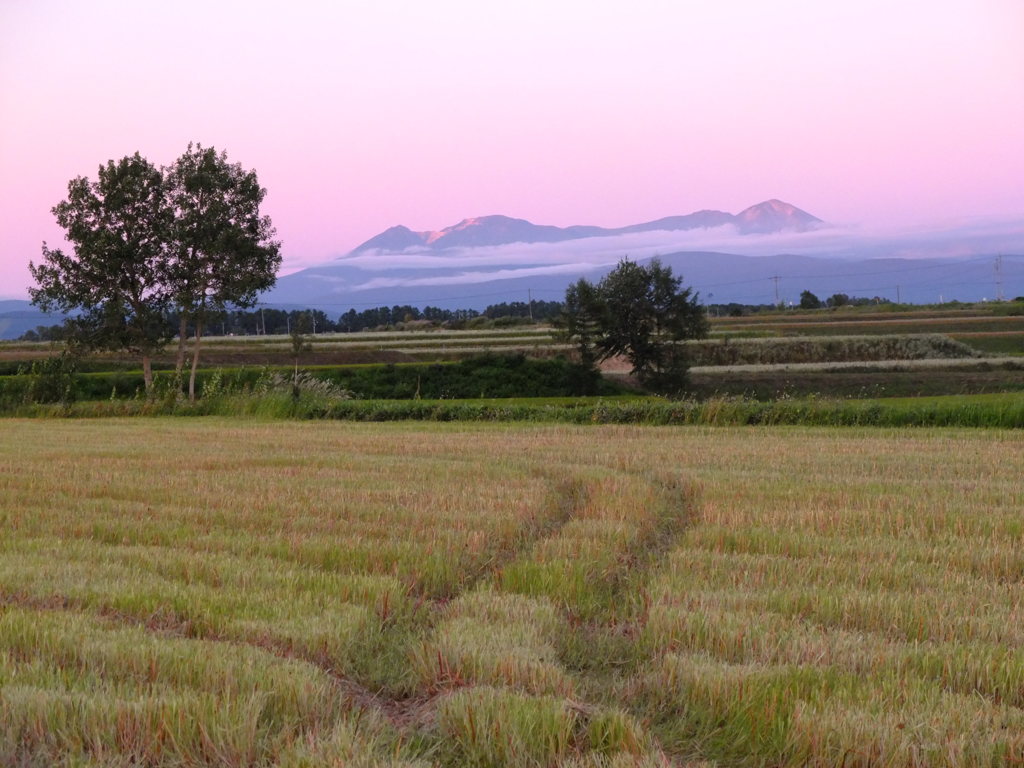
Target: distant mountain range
{"type": "Point", "coordinates": [763, 218]}
{"type": "Point", "coordinates": [17, 316]}
{"type": "Point", "coordinates": [769, 251]}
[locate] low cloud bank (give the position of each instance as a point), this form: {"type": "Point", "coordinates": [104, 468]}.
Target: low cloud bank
{"type": "Point", "coordinates": [488, 263]}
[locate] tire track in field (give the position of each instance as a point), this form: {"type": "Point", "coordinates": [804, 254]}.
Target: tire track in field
{"type": "Point", "coordinates": [671, 515]}
{"type": "Point", "coordinates": [561, 504]}
{"type": "Point", "coordinates": [615, 629]}
{"type": "Point", "coordinates": [616, 633]}
{"type": "Point", "coordinates": [566, 496]}
{"type": "Point", "coordinates": [414, 710]}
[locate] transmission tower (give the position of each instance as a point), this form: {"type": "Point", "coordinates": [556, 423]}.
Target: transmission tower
{"type": "Point", "coordinates": [999, 278]}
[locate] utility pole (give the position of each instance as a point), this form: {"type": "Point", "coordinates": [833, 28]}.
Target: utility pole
{"type": "Point", "coordinates": [529, 293]}
{"type": "Point", "coordinates": [263, 321]}
{"type": "Point", "coordinates": [313, 315]}
{"type": "Point", "coordinates": [775, 279]}
{"type": "Point", "coordinates": [898, 295]}
{"type": "Point", "coordinates": [999, 278]}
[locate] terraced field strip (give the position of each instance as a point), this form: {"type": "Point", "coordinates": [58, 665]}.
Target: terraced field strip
{"type": "Point", "coordinates": [412, 341]}
{"type": "Point", "coordinates": [208, 592]}
{"type": "Point", "coordinates": [851, 313]}
{"type": "Point", "coordinates": [855, 383]}
{"type": "Point", "coordinates": [994, 342]}
{"type": "Point", "coordinates": [328, 347]}
{"type": "Point", "coordinates": [934, 364]}
{"type": "Point", "coordinates": [889, 325]}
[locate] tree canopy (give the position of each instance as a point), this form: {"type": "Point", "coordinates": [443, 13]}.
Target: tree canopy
{"type": "Point", "coordinates": [641, 312]}
{"type": "Point", "coordinates": [116, 276]}
{"type": "Point", "coordinates": [809, 301]}
{"type": "Point", "coordinates": [222, 250]}
{"type": "Point", "coordinates": [147, 241]}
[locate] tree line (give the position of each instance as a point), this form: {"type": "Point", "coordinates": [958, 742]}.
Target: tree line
{"type": "Point", "coordinates": [269, 320]}
{"type": "Point", "coordinates": [809, 301]}
{"type": "Point", "coordinates": [379, 317]}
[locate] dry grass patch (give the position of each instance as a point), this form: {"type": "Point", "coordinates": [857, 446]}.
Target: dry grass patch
{"type": "Point", "coordinates": [207, 592]}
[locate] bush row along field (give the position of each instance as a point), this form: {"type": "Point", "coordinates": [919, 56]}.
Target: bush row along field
{"type": "Point", "coordinates": [859, 381]}
{"type": "Point", "coordinates": [493, 376]}
{"type": "Point", "coordinates": [997, 410]}
{"type": "Point", "coordinates": [479, 377]}
{"type": "Point", "coordinates": [208, 592]}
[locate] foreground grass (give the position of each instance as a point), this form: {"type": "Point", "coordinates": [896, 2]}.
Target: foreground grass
{"type": "Point", "coordinates": [213, 592]}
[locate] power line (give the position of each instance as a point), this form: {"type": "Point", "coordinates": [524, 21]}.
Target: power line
{"type": "Point", "coordinates": [957, 263]}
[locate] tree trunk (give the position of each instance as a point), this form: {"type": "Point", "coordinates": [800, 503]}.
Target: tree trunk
{"type": "Point", "coordinates": [195, 363]}
{"type": "Point", "coordinates": [147, 374]}
{"type": "Point", "coordinates": [179, 364]}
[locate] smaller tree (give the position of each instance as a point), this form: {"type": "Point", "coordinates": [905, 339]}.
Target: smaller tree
{"type": "Point", "coordinates": [838, 300]}
{"type": "Point", "coordinates": [640, 312]}
{"type": "Point", "coordinates": [114, 278]}
{"type": "Point", "coordinates": [809, 301]}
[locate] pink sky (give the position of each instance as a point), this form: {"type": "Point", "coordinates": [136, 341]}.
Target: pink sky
{"type": "Point", "coordinates": [361, 115]}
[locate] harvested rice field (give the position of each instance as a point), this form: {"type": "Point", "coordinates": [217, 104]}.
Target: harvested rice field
{"type": "Point", "coordinates": [205, 592]}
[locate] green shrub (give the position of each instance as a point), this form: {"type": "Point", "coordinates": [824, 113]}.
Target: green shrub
{"type": "Point", "coordinates": [483, 376]}
{"type": "Point", "coordinates": [51, 380]}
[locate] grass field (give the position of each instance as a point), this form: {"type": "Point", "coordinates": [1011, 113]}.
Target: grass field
{"type": "Point", "coordinates": [212, 592]}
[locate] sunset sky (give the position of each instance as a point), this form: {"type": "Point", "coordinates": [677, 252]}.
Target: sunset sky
{"type": "Point", "coordinates": [361, 115]}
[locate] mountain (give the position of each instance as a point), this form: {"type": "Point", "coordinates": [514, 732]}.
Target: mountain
{"type": "Point", "coordinates": [741, 257]}
{"type": "Point", "coordinates": [17, 316]}
{"type": "Point", "coordinates": [774, 216]}
{"type": "Point", "coordinates": [763, 218]}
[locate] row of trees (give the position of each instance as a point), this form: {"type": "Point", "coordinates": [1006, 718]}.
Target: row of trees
{"type": "Point", "coordinates": [385, 316]}
{"type": "Point", "coordinates": [809, 301]}
{"type": "Point", "coordinates": [147, 242]}
{"type": "Point", "coordinates": [279, 321]}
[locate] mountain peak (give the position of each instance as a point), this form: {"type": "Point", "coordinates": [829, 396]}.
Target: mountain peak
{"type": "Point", "coordinates": [396, 238]}
{"type": "Point", "coordinates": [495, 229]}
{"type": "Point", "coordinates": [774, 216]}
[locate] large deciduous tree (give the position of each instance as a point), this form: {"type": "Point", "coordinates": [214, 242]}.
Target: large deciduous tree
{"type": "Point", "coordinates": [641, 312]}
{"type": "Point", "coordinates": [223, 251]}
{"type": "Point", "coordinates": [115, 276]}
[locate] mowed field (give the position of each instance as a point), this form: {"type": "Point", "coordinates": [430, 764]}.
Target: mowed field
{"type": "Point", "coordinates": [178, 592]}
